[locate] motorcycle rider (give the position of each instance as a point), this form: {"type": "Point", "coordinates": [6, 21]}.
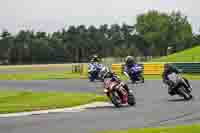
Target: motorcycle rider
{"type": "Point", "coordinates": [129, 64]}
{"type": "Point", "coordinates": [169, 69]}
{"type": "Point", "coordinates": [95, 65]}
{"type": "Point", "coordinates": [94, 62]}
{"type": "Point", "coordinates": [113, 77]}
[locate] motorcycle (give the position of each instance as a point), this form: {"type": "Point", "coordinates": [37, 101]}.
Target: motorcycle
{"type": "Point", "coordinates": [179, 86]}
{"type": "Point", "coordinates": [135, 74]}
{"type": "Point", "coordinates": [118, 93]}
{"type": "Point", "coordinates": [95, 72]}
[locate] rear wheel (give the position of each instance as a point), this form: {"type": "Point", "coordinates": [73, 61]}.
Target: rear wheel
{"type": "Point", "coordinates": [142, 79]}
{"type": "Point", "coordinates": [91, 79]}
{"type": "Point", "coordinates": [91, 76]}
{"type": "Point", "coordinates": [131, 99]}
{"type": "Point", "coordinates": [191, 97]}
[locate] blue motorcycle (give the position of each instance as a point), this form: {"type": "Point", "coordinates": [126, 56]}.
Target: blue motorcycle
{"type": "Point", "coordinates": [135, 74]}
{"type": "Point", "coordinates": [94, 72]}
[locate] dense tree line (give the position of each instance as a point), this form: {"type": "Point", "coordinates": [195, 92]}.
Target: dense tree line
{"type": "Point", "coordinates": [153, 33]}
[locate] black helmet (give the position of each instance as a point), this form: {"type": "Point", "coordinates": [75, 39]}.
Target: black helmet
{"type": "Point", "coordinates": [129, 60]}
{"type": "Point", "coordinates": [108, 75]}
{"type": "Point", "coordinates": [168, 66]}
{"type": "Point", "coordinates": [95, 58]}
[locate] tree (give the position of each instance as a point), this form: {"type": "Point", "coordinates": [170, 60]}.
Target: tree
{"type": "Point", "coordinates": [161, 30]}
{"type": "Point", "coordinates": [180, 31]}
{"type": "Point", "coordinates": [6, 42]}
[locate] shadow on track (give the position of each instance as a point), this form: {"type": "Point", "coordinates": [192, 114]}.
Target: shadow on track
{"type": "Point", "coordinates": [110, 107]}
{"type": "Point", "coordinates": [180, 100]}
{"type": "Point", "coordinates": [176, 100]}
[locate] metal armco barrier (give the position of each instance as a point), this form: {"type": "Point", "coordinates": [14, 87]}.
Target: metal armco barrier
{"type": "Point", "coordinates": [188, 67]}
{"type": "Point", "coordinates": [148, 68]}
{"type": "Point", "coordinates": [153, 68]}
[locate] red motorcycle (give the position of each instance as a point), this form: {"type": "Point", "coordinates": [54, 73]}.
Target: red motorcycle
{"type": "Point", "coordinates": [118, 93]}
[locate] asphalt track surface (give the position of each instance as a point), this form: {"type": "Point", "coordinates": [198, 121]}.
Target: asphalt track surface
{"type": "Point", "coordinates": [154, 108]}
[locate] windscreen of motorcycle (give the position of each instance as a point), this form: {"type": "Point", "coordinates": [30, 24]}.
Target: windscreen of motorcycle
{"type": "Point", "coordinates": [109, 84]}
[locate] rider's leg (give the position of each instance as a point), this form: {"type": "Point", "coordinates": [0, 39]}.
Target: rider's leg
{"type": "Point", "coordinates": [170, 88]}
{"type": "Point", "coordinates": [171, 91]}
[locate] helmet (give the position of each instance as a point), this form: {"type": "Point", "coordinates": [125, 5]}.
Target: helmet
{"type": "Point", "coordinates": [106, 72]}
{"type": "Point", "coordinates": [94, 58]}
{"type": "Point", "coordinates": [129, 60]}
{"type": "Point", "coordinates": [108, 75]}
{"type": "Point", "coordinates": [168, 66]}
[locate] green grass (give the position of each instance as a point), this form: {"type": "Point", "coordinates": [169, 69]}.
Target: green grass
{"type": "Point", "coordinates": [190, 55]}
{"type": "Point", "coordinates": [178, 129]}
{"type": "Point", "coordinates": [18, 101]}
{"type": "Point", "coordinates": [36, 66]}
{"type": "Point", "coordinates": [40, 76]}
{"type": "Point", "coordinates": [60, 75]}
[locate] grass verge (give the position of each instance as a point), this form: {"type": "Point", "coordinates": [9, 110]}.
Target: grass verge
{"type": "Point", "coordinates": [178, 129]}
{"type": "Point", "coordinates": [59, 75]}
{"type": "Point", "coordinates": [41, 76]}
{"type": "Point", "coordinates": [189, 55]}
{"type": "Point", "coordinates": [18, 101]}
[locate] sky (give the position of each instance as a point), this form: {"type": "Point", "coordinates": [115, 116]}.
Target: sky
{"type": "Point", "coordinates": [53, 15]}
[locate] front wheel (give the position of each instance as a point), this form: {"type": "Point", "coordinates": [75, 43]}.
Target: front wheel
{"type": "Point", "coordinates": [183, 93]}
{"type": "Point", "coordinates": [115, 99]}
{"type": "Point", "coordinates": [142, 79]}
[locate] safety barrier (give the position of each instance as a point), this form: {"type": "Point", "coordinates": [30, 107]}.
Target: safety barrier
{"type": "Point", "coordinates": [188, 67]}
{"type": "Point", "coordinates": [153, 68]}
{"type": "Point", "coordinates": [148, 68]}
{"type": "Point", "coordinates": [117, 68]}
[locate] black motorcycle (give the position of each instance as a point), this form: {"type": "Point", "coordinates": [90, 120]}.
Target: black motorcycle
{"type": "Point", "coordinates": [135, 74]}
{"type": "Point", "coordinates": [179, 86]}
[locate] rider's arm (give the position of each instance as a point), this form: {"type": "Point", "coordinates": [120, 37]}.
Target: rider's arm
{"type": "Point", "coordinates": [126, 71]}
{"type": "Point", "coordinates": [164, 77]}
{"type": "Point", "coordinates": [89, 67]}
